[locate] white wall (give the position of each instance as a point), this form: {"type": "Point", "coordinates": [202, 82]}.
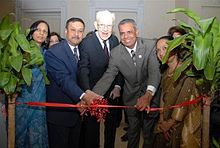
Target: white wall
{"type": "Point", "coordinates": [151, 15]}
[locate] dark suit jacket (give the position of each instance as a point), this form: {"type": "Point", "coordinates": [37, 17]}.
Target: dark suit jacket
{"type": "Point", "coordinates": [136, 77]}
{"type": "Point", "coordinates": [62, 73]}
{"type": "Point", "coordinates": [93, 61]}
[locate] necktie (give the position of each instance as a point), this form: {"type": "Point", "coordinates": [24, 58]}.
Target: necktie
{"type": "Point", "coordinates": [75, 54]}
{"type": "Point", "coordinates": [133, 57]}
{"type": "Point", "coordinates": [106, 49]}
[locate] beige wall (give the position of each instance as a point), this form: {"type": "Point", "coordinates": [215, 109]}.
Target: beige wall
{"type": "Point", "coordinates": [7, 6]}
{"type": "Point", "coordinates": [155, 21]}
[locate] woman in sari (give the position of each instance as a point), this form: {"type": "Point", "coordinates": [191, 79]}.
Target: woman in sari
{"type": "Point", "coordinates": [178, 127]}
{"type": "Point", "coordinates": [31, 127]}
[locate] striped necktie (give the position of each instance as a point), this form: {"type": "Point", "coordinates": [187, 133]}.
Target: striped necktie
{"type": "Point", "coordinates": [75, 54]}
{"type": "Point", "coordinates": [133, 57]}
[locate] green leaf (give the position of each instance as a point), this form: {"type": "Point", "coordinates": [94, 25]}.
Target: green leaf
{"type": "Point", "coordinates": [216, 45]}
{"type": "Point", "coordinates": [187, 27]}
{"type": "Point", "coordinates": [10, 87]}
{"type": "Point", "coordinates": [215, 28]}
{"type": "Point", "coordinates": [172, 45]}
{"type": "Point", "coordinates": [4, 79]}
{"type": "Point", "coordinates": [206, 24]}
{"type": "Point", "coordinates": [209, 70]}
{"type": "Point", "coordinates": [190, 73]}
{"type": "Point", "coordinates": [14, 46]}
{"type": "Point", "coordinates": [5, 22]}
{"type": "Point", "coordinates": [182, 68]}
{"type": "Point", "coordinates": [23, 42]}
{"type": "Point", "coordinates": [215, 142]}
{"type": "Point", "coordinates": [17, 28]}
{"type": "Point", "coordinates": [16, 62]}
{"type": "Point", "coordinates": [201, 50]}
{"type": "Point", "coordinates": [4, 59]}
{"type": "Point", "coordinates": [27, 75]}
{"type": "Point", "coordinates": [1, 45]}
{"type": "Point", "coordinates": [200, 81]}
{"type": "Point", "coordinates": [187, 12]}
{"type": "Point", "coordinates": [4, 34]}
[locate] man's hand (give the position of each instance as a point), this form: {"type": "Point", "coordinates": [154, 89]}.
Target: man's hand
{"type": "Point", "coordinates": [90, 96]}
{"type": "Point", "coordinates": [82, 108]}
{"type": "Point", "coordinates": [144, 101]}
{"type": "Point", "coordinates": [115, 93]}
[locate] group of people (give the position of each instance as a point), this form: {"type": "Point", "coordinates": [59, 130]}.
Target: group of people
{"type": "Point", "coordinates": [98, 66]}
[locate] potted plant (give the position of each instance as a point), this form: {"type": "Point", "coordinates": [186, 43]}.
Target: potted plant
{"type": "Point", "coordinates": [203, 58]}
{"type": "Point", "coordinates": [17, 56]}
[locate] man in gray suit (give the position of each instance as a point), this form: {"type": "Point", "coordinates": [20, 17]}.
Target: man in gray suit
{"type": "Point", "coordinates": [136, 59]}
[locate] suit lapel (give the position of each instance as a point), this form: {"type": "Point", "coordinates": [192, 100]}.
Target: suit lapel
{"type": "Point", "coordinates": [111, 43]}
{"type": "Point", "coordinates": [127, 59]}
{"type": "Point", "coordinates": [70, 55]}
{"type": "Point", "coordinates": [140, 57]}
{"type": "Point", "coordinates": [97, 43]}
{"type": "Point", "coordinates": [99, 48]}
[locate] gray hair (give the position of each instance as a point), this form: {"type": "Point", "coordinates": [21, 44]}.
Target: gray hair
{"type": "Point", "coordinates": [125, 21]}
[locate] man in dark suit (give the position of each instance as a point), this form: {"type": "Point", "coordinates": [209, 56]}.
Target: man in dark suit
{"type": "Point", "coordinates": [61, 63]}
{"type": "Point", "coordinates": [136, 59]}
{"type": "Point", "coordinates": [94, 57]}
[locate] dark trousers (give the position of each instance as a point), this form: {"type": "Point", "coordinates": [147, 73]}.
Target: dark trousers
{"type": "Point", "coordinates": [90, 131]}
{"type": "Point", "coordinates": [65, 137]}
{"type": "Point", "coordinates": [111, 123]}
{"type": "Point", "coordinates": [137, 121]}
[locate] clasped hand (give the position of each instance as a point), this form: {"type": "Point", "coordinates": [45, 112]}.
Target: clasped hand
{"type": "Point", "coordinates": [144, 102]}
{"type": "Point", "coordinates": [166, 127]}
{"type": "Point", "coordinates": [90, 96]}
{"type": "Point", "coordinates": [86, 100]}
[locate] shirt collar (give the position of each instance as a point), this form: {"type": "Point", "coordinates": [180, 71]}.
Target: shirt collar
{"type": "Point", "coordinates": [130, 49]}
{"type": "Point", "coordinates": [72, 47]}
{"type": "Point", "coordinates": [101, 40]}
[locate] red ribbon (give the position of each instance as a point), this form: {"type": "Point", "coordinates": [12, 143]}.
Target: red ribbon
{"type": "Point", "coordinates": [48, 104]}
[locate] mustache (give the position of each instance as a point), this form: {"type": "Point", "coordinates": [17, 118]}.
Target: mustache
{"type": "Point", "coordinates": [76, 37]}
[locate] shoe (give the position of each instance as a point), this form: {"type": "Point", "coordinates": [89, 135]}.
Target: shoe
{"type": "Point", "coordinates": [124, 137]}
{"type": "Point", "coordinates": [125, 128]}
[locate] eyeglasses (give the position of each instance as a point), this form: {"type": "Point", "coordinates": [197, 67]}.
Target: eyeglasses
{"type": "Point", "coordinates": [102, 26]}
{"type": "Point", "coordinates": [41, 31]}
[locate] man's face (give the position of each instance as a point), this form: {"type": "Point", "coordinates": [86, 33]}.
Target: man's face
{"type": "Point", "coordinates": [104, 28]}
{"type": "Point", "coordinates": [74, 33]}
{"type": "Point", "coordinates": [128, 34]}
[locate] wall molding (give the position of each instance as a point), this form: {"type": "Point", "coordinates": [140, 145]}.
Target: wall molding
{"type": "Point", "coordinates": [42, 6]}
{"type": "Point", "coordinates": [117, 6]}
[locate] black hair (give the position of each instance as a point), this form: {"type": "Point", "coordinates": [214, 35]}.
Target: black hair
{"type": "Point", "coordinates": [74, 19]}
{"type": "Point", "coordinates": [55, 34]}
{"type": "Point", "coordinates": [179, 51]}
{"type": "Point", "coordinates": [33, 28]}
{"type": "Point", "coordinates": [174, 29]}
{"type": "Point", "coordinates": [166, 37]}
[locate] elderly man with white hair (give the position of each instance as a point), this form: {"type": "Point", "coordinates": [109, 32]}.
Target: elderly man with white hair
{"type": "Point", "coordinates": [94, 57]}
